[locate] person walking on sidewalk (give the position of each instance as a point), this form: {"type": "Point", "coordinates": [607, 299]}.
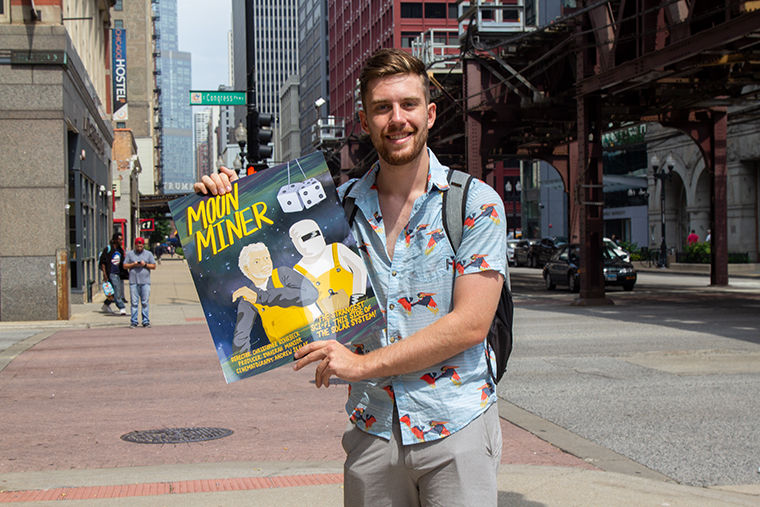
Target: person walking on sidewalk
{"type": "Point", "coordinates": [139, 262]}
{"type": "Point", "coordinates": [424, 427]}
{"type": "Point", "coordinates": [112, 266]}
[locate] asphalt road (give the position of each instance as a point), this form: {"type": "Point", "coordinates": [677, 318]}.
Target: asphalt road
{"type": "Point", "coordinates": [668, 376]}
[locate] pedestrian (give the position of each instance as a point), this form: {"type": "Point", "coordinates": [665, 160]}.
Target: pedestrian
{"type": "Point", "coordinates": [424, 425]}
{"type": "Point", "coordinates": [139, 262]}
{"type": "Point", "coordinates": [112, 267]}
{"type": "Point", "coordinates": [692, 238]}
{"type": "Point", "coordinates": [709, 236]}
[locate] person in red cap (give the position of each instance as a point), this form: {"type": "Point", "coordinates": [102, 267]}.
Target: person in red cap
{"type": "Point", "coordinates": [139, 262]}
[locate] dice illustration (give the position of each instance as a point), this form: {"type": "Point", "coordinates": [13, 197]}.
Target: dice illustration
{"type": "Point", "coordinates": [311, 192]}
{"type": "Point", "coordinates": [290, 201]}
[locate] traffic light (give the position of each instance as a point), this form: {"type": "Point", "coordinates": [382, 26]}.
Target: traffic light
{"type": "Point", "coordinates": [264, 135]}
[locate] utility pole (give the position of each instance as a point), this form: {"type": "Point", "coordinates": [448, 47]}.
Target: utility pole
{"type": "Point", "coordinates": [252, 116]}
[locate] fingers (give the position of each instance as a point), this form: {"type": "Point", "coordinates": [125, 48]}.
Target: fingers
{"type": "Point", "coordinates": [308, 354]}
{"type": "Point", "coordinates": [322, 373]}
{"type": "Point", "coordinates": [200, 188]}
{"type": "Point", "coordinates": [216, 183]}
{"type": "Point", "coordinates": [232, 175]}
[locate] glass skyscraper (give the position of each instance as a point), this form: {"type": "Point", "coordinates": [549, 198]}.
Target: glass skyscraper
{"type": "Point", "coordinates": [276, 53]}
{"type": "Point", "coordinates": [176, 115]}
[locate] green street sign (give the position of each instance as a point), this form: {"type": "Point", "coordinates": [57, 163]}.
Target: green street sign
{"type": "Point", "coordinates": [216, 98]}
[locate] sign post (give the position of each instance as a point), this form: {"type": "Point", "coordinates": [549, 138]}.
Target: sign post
{"type": "Point", "coordinates": [216, 98]}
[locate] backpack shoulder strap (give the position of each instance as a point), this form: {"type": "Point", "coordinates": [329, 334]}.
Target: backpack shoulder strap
{"type": "Point", "coordinates": [349, 205]}
{"type": "Point", "coordinates": [455, 206]}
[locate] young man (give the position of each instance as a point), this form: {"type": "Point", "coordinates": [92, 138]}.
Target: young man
{"type": "Point", "coordinates": [425, 426]}
{"type": "Point", "coordinates": [139, 262]}
{"type": "Point", "coordinates": [112, 264]}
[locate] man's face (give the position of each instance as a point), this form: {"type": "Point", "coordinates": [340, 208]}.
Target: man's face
{"type": "Point", "coordinates": [397, 117]}
{"type": "Point", "coordinates": [259, 265]}
{"type": "Point", "coordinates": [139, 247]}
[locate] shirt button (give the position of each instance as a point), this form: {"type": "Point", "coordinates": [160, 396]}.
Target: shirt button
{"type": "Point", "coordinates": [393, 273]}
{"type": "Point", "coordinates": [391, 306]}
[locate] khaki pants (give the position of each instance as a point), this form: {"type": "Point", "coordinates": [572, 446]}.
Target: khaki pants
{"type": "Point", "coordinates": [460, 469]}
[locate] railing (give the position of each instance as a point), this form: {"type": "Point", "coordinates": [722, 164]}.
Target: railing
{"type": "Point", "coordinates": [436, 47]}
{"type": "Point", "coordinates": [328, 131]}
{"type": "Point", "coordinates": [498, 16]}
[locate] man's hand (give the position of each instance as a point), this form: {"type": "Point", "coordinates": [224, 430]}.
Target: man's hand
{"type": "Point", "coordinates": [334, 360]}
{"type": "Point", "coordinates": [245, 293]}
{"type": "Point", "coordinates": [217, 183]}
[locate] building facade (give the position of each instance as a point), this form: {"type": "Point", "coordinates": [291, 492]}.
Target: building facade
{"type": "Point", "coordinates": [358, 29]}
{"type": "Point", "coordinates": [313, 63]}
{"type": "Point", "coordinates": [132, 84]}
{"type": "Point", "coordinates": [176, 120]}
{"type": "Point", "coordinates": [289, 142]}
{"type": "Point", "coordinates": [55, 152]}
{"type": "Point", "coordinates": [275, 26]}
{"type": "Point", "coordinates": [203, 143]}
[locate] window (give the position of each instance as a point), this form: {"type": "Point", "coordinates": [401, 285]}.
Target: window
{"type": "Point", "coordinates": [453, 12]}
{"type": "Point", "coordinates": [121, 125]}
{"type": "Point", "coordinates": [5, 14]}
{"type": "Point", "coordinates": [411, 9]}
{"type": "Point", "coordinates": [436, 10]}
{"type": "Point", "coordinates": [118, 23]}
{"type": "Point", "coordinates": [118, 6]}
{"type": "Point", "coordinates": [407, 38]}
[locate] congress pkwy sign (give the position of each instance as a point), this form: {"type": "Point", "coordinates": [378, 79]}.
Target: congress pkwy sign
{"type": "Point", "coordinates": [216, 98]}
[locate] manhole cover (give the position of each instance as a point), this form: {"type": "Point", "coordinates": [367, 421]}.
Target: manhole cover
{"type": "Point", "coordinates": [176, 435]}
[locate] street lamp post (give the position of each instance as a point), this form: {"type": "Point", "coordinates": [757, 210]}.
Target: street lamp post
{"type": "Point", "coordinates": [662, 173]}
{"type": "Point", "coordinates": [513, 192]}
{"type": "Point", "coordinates": [241, 136]}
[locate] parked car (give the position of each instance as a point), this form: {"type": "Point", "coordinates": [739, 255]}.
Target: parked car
{"type": "Point", "coordinates": [617, 249]}
{"type": "Point", "coordinates": [522, 252]}
{"type": "Point", "coordinates": [562, 269]}
{"type": "Point", "coordinates": [541, 251]}
{"type": "Point", "coordinates": [511, 251]}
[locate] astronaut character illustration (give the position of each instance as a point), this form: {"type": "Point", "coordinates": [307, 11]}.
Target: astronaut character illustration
{"type": "Point", "coordinates": [282, 298]}
{"type": "Point", "coordinates": [335, 270]}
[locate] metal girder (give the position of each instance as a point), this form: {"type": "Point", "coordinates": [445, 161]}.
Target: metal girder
{"type": "Point", "coordinates": [640, 69]}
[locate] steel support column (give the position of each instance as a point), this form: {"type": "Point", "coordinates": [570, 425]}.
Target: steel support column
{"type": "Point", "coordinates": [718, 201]}
{"type": "Point", "coordinates": [589, 178]}
{"type": "Point", "coordinates": [709, 129]}
{"type": "Point", "coordinates": [473, 87]}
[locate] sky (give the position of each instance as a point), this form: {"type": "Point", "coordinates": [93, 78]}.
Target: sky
{"type": "Point", "coordinates": [202, 27]}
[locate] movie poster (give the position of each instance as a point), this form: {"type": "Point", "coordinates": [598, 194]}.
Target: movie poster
{"type": "Point", "coordinates": [276, 266]}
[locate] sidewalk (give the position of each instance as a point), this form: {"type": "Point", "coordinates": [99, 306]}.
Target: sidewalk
{"type": "Point", "coordinates": [751, 270]}
{"type": "Point", "coordinates": [70, 390]}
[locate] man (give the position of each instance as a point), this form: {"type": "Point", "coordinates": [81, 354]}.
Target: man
{"type": "Point", "coordinates": [692, 238]}
{"type": "Point", "coordinates": [425, 423]}
{"type": "Point", "coordinates": [282, 298]}
{"type": "Point", "coordinates": [112, 266]}
{"type": "Point", "coordinates": [139, 262]}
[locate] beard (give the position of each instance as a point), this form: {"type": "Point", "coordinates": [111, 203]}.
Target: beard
{"type": "Point", "coordinates": [400, 157]}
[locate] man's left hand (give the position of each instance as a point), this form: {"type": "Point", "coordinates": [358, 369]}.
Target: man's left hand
{"type": "Point", "coordinates": [334, 360]}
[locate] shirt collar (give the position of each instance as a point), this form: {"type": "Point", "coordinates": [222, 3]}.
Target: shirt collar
{"type": "Point", "coordinates": [437, 177]}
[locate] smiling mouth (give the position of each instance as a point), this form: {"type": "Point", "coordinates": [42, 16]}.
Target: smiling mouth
{"type": "Point", "coordinates": [398, 137]}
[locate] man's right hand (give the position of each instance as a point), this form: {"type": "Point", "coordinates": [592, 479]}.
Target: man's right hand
{"type": "Point", "coordinates": [216, 183]}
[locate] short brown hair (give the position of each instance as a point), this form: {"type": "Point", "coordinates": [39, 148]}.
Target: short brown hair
{"type": "Point", "coordinates": [390, 62]}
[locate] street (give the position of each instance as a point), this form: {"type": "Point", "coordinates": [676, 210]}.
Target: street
{"type": "Point", "coordinates": [668, 376]}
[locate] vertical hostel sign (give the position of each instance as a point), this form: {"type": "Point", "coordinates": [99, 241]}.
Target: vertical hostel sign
{"type": "Point", "coordinates": [119, 73]}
